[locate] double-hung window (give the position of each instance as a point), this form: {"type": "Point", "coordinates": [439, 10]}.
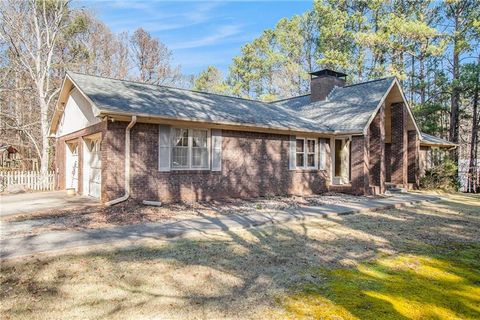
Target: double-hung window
{"type": "Point", "coordinates": [190, 149]}
{"type": "Point", "coordinates": [199, 149]}
{"type": "Point", "coordinates": [306, 153]}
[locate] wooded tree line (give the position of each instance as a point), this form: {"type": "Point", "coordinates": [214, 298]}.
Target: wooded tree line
{"type": "Point", "coordinates": [432, 47]}
{"type": "Point", "coordinates": [40, 40]}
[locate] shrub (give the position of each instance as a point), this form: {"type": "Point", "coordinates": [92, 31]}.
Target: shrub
{"type": "Point", "coordinates": [442, 176]}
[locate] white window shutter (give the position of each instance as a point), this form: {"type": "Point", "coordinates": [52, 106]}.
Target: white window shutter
{"type": "Point", "coordinates": [216, 150]}
{"type": "Point", "coordinates": [292, 151]}
{"type": "Point", "coordinates": [164, 147]}
{"type": "Point", "coordinates": [323, 154]}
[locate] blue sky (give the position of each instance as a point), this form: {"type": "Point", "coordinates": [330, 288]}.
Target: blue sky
{"type": "Point", "coordinates": [200, 33]}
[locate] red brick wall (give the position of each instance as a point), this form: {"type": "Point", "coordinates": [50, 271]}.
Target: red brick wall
{"type": "Point", "coordinates": [377, 150]}
{"type": "Point", "coordinates": [113, 161]}
{"type": "Point", "coordinates": [413, 158]}
{"type": "Point", "coordinates": [360, 179]}
{"type": "Point", "coordinates": [320, 87]}
{"type": "Point", "coordinates": [253, 164]}
{"type": "Point", "coordinates": [398, 154]}
{"type": "Point", "coordinates": [388, 162]}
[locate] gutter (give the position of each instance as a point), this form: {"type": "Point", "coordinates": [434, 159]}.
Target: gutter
{"type": "Point", "coordinates": [225, 123]}
{"type": "Point", "coordinates": [127, 165]}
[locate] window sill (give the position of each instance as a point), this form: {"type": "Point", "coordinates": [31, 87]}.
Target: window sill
{"type": "Point", "coordinates": [308, 170]}
{"type": "Point", "coordinates": [187, 171]}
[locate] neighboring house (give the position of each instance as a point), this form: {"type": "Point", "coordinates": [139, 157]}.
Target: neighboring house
{"type": "Point", "coordinates": [17, 158]}
{"type": "Point", "coordinates": [9, 156]}
{"type": "Point", "coordinates": [119, 138]}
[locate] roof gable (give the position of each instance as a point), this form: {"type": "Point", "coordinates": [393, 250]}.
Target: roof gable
{"type": "Point", "coordinates": [350, 108]}
{"type": "Point", "coordinates": [78, 114]}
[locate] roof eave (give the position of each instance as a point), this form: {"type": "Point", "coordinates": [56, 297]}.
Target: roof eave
{"type": "Point", "coordinates": [447, 144]}
{"type": "Point", "coordinates": [287, 130]}
{"type": "Point", "coordinates": [438, 145]}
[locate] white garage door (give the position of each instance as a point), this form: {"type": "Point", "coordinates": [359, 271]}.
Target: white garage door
{"type": "Point", "coordinates": [95, 172]}
{"type": "Point", "coordinates": [72, 166]}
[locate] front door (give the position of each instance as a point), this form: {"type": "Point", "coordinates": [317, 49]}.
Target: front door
{"type": "Point", "coordinates": [341, 163]}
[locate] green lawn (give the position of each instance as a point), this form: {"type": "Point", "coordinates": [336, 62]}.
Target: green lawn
{"type": "Point", "coordinates": [414, 263]}
{"type": "Point", "coordinates": [405, 286]}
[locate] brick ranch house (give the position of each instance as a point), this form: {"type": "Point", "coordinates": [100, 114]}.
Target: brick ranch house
{"type": "Point", "coordinates": [119, 139]}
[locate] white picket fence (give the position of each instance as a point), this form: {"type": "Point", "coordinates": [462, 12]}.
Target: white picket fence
{"type": "Point", "coordinates": [32, 180]}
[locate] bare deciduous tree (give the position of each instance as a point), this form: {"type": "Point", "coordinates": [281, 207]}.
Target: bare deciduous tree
{"type": "Point", "coordinates": [31, 30]}
{"type": "Point", "coordinates": [152, 59]}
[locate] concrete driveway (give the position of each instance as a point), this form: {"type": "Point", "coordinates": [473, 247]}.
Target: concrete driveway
{"type": "Point", "coordinates": [37, 201]}
{"type": "Point", "coordinates": [52, 241]}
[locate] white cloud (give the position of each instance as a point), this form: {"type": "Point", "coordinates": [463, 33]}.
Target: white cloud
{"type": "Point", "coordinates": [220, 34]}
{"type": "Point", "coordinates": [156, 16]}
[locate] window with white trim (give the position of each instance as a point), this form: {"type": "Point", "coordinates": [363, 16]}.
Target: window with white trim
{"type": "Point", "coordinates": [306, 153]}
{"type": "Point", "coordinates": [300, 153]}
{"type": "Point", "coordinates": [199, 149]}
{"type": "Point", "coordinates": [190, 148]}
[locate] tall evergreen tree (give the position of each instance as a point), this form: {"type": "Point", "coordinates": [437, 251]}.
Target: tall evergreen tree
{"type": "Point", "coordinates": [211, 80]}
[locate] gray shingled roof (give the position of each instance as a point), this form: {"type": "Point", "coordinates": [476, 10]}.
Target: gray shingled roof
{"type": "Point", "coordinates": [294, 103]}
{"type": "Point", "coordinates": [432, 140]}
{"type": "Point", "coordinates": [126, 97]}
{"type": "Point", "coordinates": [347, 109]}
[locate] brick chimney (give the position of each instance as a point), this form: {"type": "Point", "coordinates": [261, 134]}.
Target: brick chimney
{"type": "Point", "coordinates": [322, 83]}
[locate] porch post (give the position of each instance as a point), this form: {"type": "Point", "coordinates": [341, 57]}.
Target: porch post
{"type": "Point", "coordinates": [377, 150]}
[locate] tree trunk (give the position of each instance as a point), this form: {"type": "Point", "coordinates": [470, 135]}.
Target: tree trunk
{"type": "Point", "coordinates": [472, 172]}
{"type": "Point", "coordinates": [44, 123]}
{"type": "Point", "coordinates": [422, 79]}
{"type": "Point", "coordinates": [455, 98]}
{"type": "Point", "coordinates": [412, 79]}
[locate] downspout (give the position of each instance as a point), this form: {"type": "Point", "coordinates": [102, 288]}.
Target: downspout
{"type": "Point", "coordinates": [127, 165]}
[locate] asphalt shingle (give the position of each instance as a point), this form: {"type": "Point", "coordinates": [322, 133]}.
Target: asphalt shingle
{"type": "Point", "coordinates": [435, 141]}
{"type": "Point", "coordinates": [347, 109]}
{"type": "Point", "coordinates": [118, 96]}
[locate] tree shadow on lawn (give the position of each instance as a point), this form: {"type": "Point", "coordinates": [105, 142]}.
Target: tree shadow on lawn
{"type": "Point", "coordinates": [399, 264]}
{"type": "Point", "coordinates": [407, 286]}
